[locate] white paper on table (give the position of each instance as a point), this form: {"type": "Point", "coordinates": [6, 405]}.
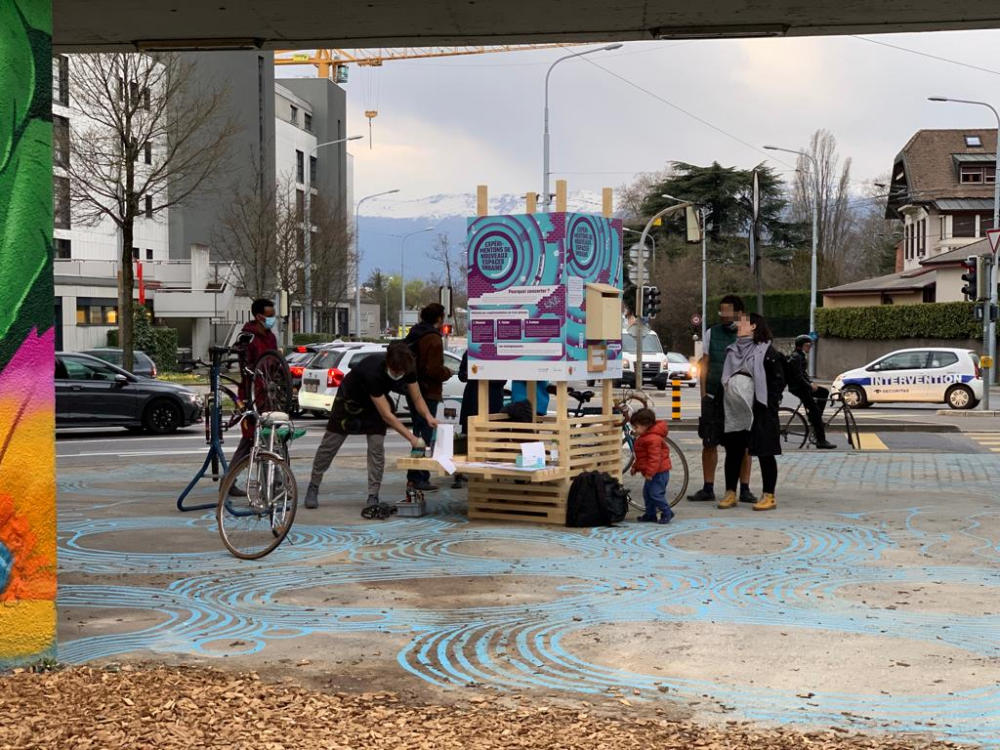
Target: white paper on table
{"type": "Point", "coordinates": [533, 452]}
{"type": "Point", "coordinates": [444, 447]}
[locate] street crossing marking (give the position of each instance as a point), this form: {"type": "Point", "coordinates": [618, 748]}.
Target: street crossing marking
{"type": "Point", "coordinates": [869, 441]}
{"type": "Point", "coordinates": [988, 440]}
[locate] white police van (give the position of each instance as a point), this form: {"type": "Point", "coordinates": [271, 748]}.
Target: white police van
{"type": "Point", "coordinates": [929, 375]}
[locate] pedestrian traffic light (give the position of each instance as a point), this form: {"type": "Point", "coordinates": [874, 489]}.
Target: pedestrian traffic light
{"type": "Point", "coordinates": [971, 277]}
{"type": "Point", "coordinates": [650, 301]}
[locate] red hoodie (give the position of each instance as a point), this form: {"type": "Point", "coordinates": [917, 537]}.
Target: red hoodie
{"type": "Point", "coordinates": [652, 455]}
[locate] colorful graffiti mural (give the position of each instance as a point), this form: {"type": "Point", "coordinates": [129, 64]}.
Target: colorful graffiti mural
{"type": "Point", "coordinates": [27, 429]}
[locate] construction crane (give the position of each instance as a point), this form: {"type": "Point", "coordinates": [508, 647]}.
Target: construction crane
{"type": "Point", "coordinates": [333, 63]}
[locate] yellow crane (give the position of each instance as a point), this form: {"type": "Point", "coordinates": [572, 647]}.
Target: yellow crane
{"type": "Point", "coordinates": [333, 63]}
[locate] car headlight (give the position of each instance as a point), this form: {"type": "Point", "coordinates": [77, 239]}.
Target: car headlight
{"type": "Point", "coordinates": [626, 364]}
{"type": "Point", "coordinates": [663, 366]}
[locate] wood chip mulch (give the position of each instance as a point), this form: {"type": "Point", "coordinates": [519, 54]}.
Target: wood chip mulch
{"type": "Point", "coordinates": [174, 708]}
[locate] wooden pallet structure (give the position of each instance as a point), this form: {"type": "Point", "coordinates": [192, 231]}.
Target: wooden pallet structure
{"type": "Point", "coordinates": [498, 489]}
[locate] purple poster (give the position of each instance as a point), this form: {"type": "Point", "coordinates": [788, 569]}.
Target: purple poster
{"type": "Point", "coordinates": [542, 328]}
{"type": "Point", "coordinates": [482, 332]}
{"type": "Point", "coordinates": [509, 330]}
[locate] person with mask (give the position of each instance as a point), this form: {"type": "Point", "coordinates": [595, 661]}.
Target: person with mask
{"type": "Point", "coordinates": [362, 408]}
{"type": "Point", "coordinates": [710, 426]}
{"type": "Point", "coordinates": [753, 381]}
{"type": "Point", "coordinates": [262, 339]}
{"type": "Point", "coordinates": [812, 396]}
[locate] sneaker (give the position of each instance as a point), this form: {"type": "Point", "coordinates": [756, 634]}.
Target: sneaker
{"type": "Point", "coordinates": [748, 497]}
{"type": "Point", "coordinates": [825, 445]}
{"type": "Point", "coordinates": [424, 486]}
{"type": "Point", "coordinates": [701, 496]}
{"type": "Point", "coordinates": [727, 502]}
{"type": "Point", "coordinates": [312, 496]}
{"type": "Point", "coordinates": [372, 500]}
{"type": "Point", "coordinates": [766, 503]}
{"type": "Point", "coordinates": [646, 519]}
{"type": "Point", "coordinates": [665, 519]}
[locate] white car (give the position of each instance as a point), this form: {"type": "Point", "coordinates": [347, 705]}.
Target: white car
{"type": "Point", "coordinates": [928, 375]}
{"type": "Point", "coordinates": [323, 375]}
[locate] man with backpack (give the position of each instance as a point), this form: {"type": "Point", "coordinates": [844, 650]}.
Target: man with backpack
{"type": "Point", "coordinates": [427, 345]}
{"type": "Point", "coordinates": [812, 396]}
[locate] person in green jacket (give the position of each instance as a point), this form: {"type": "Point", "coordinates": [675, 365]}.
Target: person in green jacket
{"type": "Point", "coordinates": [711, 425]}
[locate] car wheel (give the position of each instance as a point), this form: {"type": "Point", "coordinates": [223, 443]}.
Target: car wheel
{"type": "Point", "coordinates": [855, 397]}
{"type": "Point", "coordinates": [162, 417]}
{"type": "Point", "coordinates": [960, 397]}
{"type": "Point", "coordinates": [661, 386]}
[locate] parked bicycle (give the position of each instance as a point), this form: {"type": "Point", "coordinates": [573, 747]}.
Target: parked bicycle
{"type": "Point", "coordinates": [797, 433]}
{"type": "Point", "coordinates": [626, 403]}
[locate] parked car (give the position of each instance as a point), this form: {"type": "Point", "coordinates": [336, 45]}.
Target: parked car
{"type": "Point", "coordinates": [297, 361]}
{"type": "Point", "coordinates": [679, 368]}
{"type": "Point", "coordinates": [93, 393]}
{"type": "Point", "coordinates": [142, 364]}
{"type": "Point", "coordinates": [931, 375]}
{"type": "Point", "coordinates": [654, 361]}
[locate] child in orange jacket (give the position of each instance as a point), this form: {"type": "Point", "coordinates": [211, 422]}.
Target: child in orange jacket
{"type": "Point", "coordinates": [652, 460]}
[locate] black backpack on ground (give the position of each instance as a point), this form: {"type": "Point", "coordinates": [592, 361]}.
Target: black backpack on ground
{"type": "Point", "coordinates": [596, 499]}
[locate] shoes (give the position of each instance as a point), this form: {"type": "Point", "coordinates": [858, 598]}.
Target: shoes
{"type": "Point", "coordinates": [235, 491]}
{"type": "Point", "coordinates": [701, 496]}
{"type": "Point", "coordinates": [748, 497]}
{"type": "Point", "coordinates": [727, 502]}
{"type": "Point", "coordinates": [665, 519]}
{"type": "Point", "coordinates": [646, 519]}
{"type": "Point", "coordinates": [424, 486]}
{"type": "Point", "coordinates": [312, 496]}
{"type": "Point", "coordinates": [372, 500]}
{"type": "Point", "coordinates": [767, 502]}
{"type": "Point", "coordinates": [825, 445]}
{"type": "Point", "coordinates": [459, 481]}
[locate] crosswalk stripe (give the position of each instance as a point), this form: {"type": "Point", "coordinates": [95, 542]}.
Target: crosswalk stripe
{"type": "Point", "coordinates": [869, 441]}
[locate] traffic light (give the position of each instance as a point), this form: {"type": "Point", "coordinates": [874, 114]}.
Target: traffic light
{"type": "Point", "coordinates": [971, 277]}
{"type": "Point", "coordinates": [651, 303]}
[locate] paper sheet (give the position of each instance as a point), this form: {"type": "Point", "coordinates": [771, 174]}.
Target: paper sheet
{"type": "Point", "coordinates": [533, 452]}
{"type": "Point", "coordinates": [444, 447]}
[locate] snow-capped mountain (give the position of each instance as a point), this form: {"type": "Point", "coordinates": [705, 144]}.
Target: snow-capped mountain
{"type": "Point", "coordinates": [447, 205]}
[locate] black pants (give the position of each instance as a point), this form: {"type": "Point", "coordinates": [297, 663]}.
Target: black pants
{"type": "Point", "coordinates": [736, 445]}
{"type": "Point", "coordinates": [815, 403]}
{"type": "Point", "coordinates": [422, 430]}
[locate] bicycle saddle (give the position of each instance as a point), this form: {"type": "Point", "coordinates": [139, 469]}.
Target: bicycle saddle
{"type": "Point", "coordinates": [582, 396]}
{"type": "Point", "coordinates": [271, 418]}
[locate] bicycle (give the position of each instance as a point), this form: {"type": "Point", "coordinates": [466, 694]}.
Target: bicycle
{"type": "Point", "coordinates": [627, 402]}
{"type": "Point", "coordinates": [259, 496]}
{"type": "Point", "coordinates": [796, 431]}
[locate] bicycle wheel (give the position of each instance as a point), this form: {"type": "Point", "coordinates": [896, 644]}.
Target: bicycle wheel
{"type": "Point", "coordinates": [793, 428]}
{"type": "Point", "coordinates": [272, 383]}
{"type": "Point", "coordinates": [679, 474]}
{"type": "Point", "coordinates": [631, 483]}
{"type": "Point", "coordinates": [256, 506]}
{"type": "Point", "coordinates": [853, 436]}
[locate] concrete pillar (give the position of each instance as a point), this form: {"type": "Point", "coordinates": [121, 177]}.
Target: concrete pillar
{"type": "Point", "coordinates": [27, 337]}
{"type": "Point", "coordinates": [201, 337]}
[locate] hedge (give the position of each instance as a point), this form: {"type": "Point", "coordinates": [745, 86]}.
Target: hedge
{"type": "Point", "coordinates": [937, 320]}
{"type": "Point", "coordinates": [159, 343]}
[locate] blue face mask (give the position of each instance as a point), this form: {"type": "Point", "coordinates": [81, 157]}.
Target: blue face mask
{"type": "Point", "coordinates": [269, 322]}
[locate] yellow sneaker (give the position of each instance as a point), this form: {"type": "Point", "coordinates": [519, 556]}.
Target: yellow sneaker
{"type": "Point", "coordinates": [728, 501]}
{"type": "Point", "coordinates": [766, 502]}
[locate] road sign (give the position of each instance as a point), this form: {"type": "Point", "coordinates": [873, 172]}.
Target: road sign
{"type": "Point", "coordinates": [994, 237]}
{"type": "Point", "coordinates": [696, 320]}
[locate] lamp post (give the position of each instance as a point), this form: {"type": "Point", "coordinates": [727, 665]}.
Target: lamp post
{"type": "Point", "coordinates": [357, 258]}
{"type": "Point", "coordinates": [815, 246]}
{"type": "Point", "coordinates": [307, 233]}
{"type": "Point", "coordinates": [990, 326]}
{"type": "Point", "coordinates": [545, 134]}
{"type": "Point", "coordinates": [402, 275]}
{"type": "Point", "coordinates": [703, 215]}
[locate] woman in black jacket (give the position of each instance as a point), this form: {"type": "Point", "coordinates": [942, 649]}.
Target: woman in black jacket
{"type": "Point", "coordinates": [753, 379]}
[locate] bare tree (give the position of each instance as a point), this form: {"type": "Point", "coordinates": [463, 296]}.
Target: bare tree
{"type": "Point", "coordinates": [246, 232]}
{"type": "Point", "coordinates": [445, 253]}
{"type": "Point", "coordinates": [150, 139]}
{"type": "Point", "coordinates": [287, 264]}
{"type": "Point", "coordinates": [634, 194]}
{"type": "Point", "coordinates": [332, 254]}
{"type": "Point", "coordinates": [834, 180]}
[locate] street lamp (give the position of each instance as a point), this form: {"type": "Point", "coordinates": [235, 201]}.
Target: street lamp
{"type": "Point", "coordinates": [815, 245]}
{"type": "Point", "coordinates": [545, 134]}
{"type": "Point", "coordinates": [703, 215]}
{"type": "Point", "coordinates": [307, 232]}
{"type": "Point", "coordinates": [402, 274]}
{"type": "Point", "coordinates": [357, 258]}
{"type": "Point", "coordinates": [989, 324]}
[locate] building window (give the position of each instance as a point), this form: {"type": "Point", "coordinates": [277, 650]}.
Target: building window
{"type": "Point", "coordinates": [96, 314]}
{"type": "Point", "coordinates": [313, 169]}
{"type": "Point", "coordinates": [963, 225]}
{"type": "Point", "coordinates": [149, 207]}
{"type": "Point", "coordinates": [973, 141]}
{"type": "Point", "coordinates": [943, 222]}
{"type": "Point", "coordinates": [145, 99]}
{"type": "Point", "coordinates": [300, 206]}
{"type": "Point", "coordinates": [985, 222]}
{"type": "Point", "coordinates": [61, 204]}
{"type": "Point", "coordinates": [147, 152]}
{"type": "Point", "coordinates": [135, 253]}
{"type": "Point", "coordinates": [149, 253]}
{"type": "Point", "coordinates": [60, 141]}
{"type": "Point", "coordinates": [300, 166]}
{"type": "Point", "coordinates": [63, 249]}
{"type": "Point", "coordinates": [922, 238]}
{"type": "Point", "coordinates": [308, 122]}
{"type": "Point", "coordinates": [293, 114]}
{"type": "Point", "coordinates": [60, 79]}
{"type": "Point", "coordinates": [976, 174]}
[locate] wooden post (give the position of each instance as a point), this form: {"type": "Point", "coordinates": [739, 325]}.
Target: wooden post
{"type": "Point", "coordinates": [607, 396]}
{"type": "Point", "coordinates": [560, 196]}
{"type": "Point", "coordinates": [533, 398]}
{"type": "Point", "coordinates": [608, 202]}
{"type": "Point", "coordinates": [482, 200]}
{"type": "Point", "coordinates": [562, 400]}
{"type": "Point", "coordinates": [532, 203]}
{"type": "Point", "coordinates": [483, 412]}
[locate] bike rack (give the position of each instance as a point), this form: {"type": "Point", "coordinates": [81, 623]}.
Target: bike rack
{"type": "Point", "coordinates": [216, 456]}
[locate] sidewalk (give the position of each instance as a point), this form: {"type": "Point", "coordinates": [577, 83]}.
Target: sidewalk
{"type": "Point", "coordinates": [867, 601]}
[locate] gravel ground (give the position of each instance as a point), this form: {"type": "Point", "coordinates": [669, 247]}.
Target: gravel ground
{"type": "Point", "coordinates": [174, 708]}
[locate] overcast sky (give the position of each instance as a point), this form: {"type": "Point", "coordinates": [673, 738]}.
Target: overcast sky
{"type": "Point", "coordinates": [446, 125]}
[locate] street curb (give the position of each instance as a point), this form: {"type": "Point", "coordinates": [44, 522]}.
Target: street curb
{"type": "Point", "coordinates": [865, 428]}
{"type": "Point", "coordinates": [970, 414]}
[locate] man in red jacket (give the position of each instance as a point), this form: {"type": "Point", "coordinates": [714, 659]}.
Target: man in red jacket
{"type": "Point", "coordinates": [652, 460]}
